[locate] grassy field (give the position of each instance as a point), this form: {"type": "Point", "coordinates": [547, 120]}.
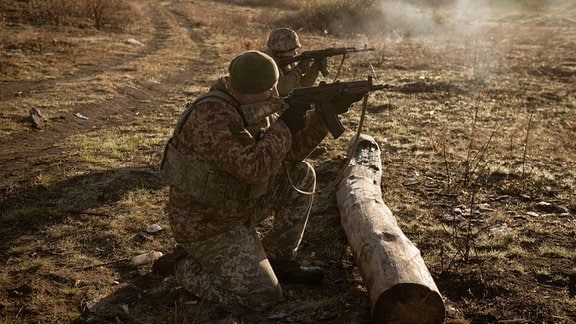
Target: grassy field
{"type": "Point", "coordinates": [477, 130]}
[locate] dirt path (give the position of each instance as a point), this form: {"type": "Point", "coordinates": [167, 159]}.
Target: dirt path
{"type": "Point", "coordinates": [21, 152]}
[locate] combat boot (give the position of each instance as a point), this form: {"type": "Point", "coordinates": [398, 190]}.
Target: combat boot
{"type": "Point", "coordinates": [293, 272]}
{"type": "Point", "coordinates": [166, 264]}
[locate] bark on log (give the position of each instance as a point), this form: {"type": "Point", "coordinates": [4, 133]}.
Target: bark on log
{"type": "Point", "coordinates": [399, 284]}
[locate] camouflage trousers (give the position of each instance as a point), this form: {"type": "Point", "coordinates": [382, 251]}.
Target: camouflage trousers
{"type": "Point", "coordinates": [233, 268]}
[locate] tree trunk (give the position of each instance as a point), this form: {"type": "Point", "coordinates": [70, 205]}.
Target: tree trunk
{"type": "Point", "coordinates": [400, 286]}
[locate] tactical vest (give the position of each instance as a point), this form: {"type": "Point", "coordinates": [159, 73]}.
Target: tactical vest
{"type": "Point", "coordinates": [200, 178]}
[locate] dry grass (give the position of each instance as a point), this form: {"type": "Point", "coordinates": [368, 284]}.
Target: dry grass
{"type": "Point", "coordinates": [476, 130]}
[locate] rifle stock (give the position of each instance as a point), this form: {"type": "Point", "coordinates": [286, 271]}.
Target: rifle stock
{"type": "Point", "coordinates": [257, 111]}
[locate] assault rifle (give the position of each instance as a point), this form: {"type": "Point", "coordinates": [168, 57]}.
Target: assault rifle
{"type": "Point", "coordinates": [318, 54]}
{"type": "Point", "coordinates": [323, 94]}
{"type": "Point", "coordinates": [320, 96]}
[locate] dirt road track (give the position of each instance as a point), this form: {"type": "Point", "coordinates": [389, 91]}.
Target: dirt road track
{"type": "Point", "coordinates": [22, 153]}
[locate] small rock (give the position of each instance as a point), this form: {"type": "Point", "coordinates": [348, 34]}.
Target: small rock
{"type": "Point", "coordinates": [132, 41]}
{"type": "Point", "coordinates": [37, 118]}
{"type": "Point", "coordinates": [153, 228]}
{"type": "Point", "coordinates": [551, 208]}
{"type": "Point", "coordinates": [145, 258]}
{"type": "Point", "coordinates": [79, 115]}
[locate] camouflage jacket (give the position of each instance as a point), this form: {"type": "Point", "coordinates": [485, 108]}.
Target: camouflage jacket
{"type": "Point", "coordinates": [214, 132]}
{"type": "Point", "coordinates": [292, 77]}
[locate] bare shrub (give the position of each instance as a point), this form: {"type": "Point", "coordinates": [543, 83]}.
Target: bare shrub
{"type": "Point", "coordinates": [107, 14]}
{"type": "Point", "coordinates": [101, 14]}
{"type": "Point", "coordinates": [338, 17]}
{"type": "Point", "coordinates": [370, 17]}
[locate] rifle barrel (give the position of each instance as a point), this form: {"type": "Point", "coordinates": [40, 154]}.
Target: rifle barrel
{"type": "Point", "coordinates": [317, 54]}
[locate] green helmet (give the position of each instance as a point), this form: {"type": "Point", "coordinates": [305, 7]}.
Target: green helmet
{"type": "Point", "coordinates": [252, 72]}
{"type": "Point", "coordinates": [283, 40]}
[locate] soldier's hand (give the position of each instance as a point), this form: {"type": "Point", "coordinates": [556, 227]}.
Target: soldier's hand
{"type": "Point", "coordinates": [304, 65]}
{"type": "Point", "coordinates": [321, 64]}
{"type": "Point", "coordinates": [295, 118]}
{"type": "Point", "coordinates": [342, 101]}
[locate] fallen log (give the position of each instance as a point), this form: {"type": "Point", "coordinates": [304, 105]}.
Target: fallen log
{"type": "Point", "coordinates": [399, 284]}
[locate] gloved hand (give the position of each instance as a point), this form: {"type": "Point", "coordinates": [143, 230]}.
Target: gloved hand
{"type": "Point", "coordinates": [304, 65]}
{"type": "Point", "coordinates": [342, 101]}
{"type": "Point", "coordinates": [321, 64]}
{"type": "Point", "coordinates": [295, 118]}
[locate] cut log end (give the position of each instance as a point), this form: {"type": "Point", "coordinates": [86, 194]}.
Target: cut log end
{"type": "Point", "coordinates": [409, 303]}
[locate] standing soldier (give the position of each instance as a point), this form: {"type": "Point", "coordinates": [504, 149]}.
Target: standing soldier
{"type": "Point", "coordinates": [226, 176]}
{"type": "Point", "coordinates": [284, 42]}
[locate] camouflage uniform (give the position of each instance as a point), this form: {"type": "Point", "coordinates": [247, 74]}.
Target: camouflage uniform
{"type": "Point", "coordinates": [291, 76]}
{"type": "Point", "coordinates": [227, 262]}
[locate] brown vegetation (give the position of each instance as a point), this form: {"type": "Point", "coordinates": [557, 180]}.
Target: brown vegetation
{"type": "Point", "coordinates": [476, 128]}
